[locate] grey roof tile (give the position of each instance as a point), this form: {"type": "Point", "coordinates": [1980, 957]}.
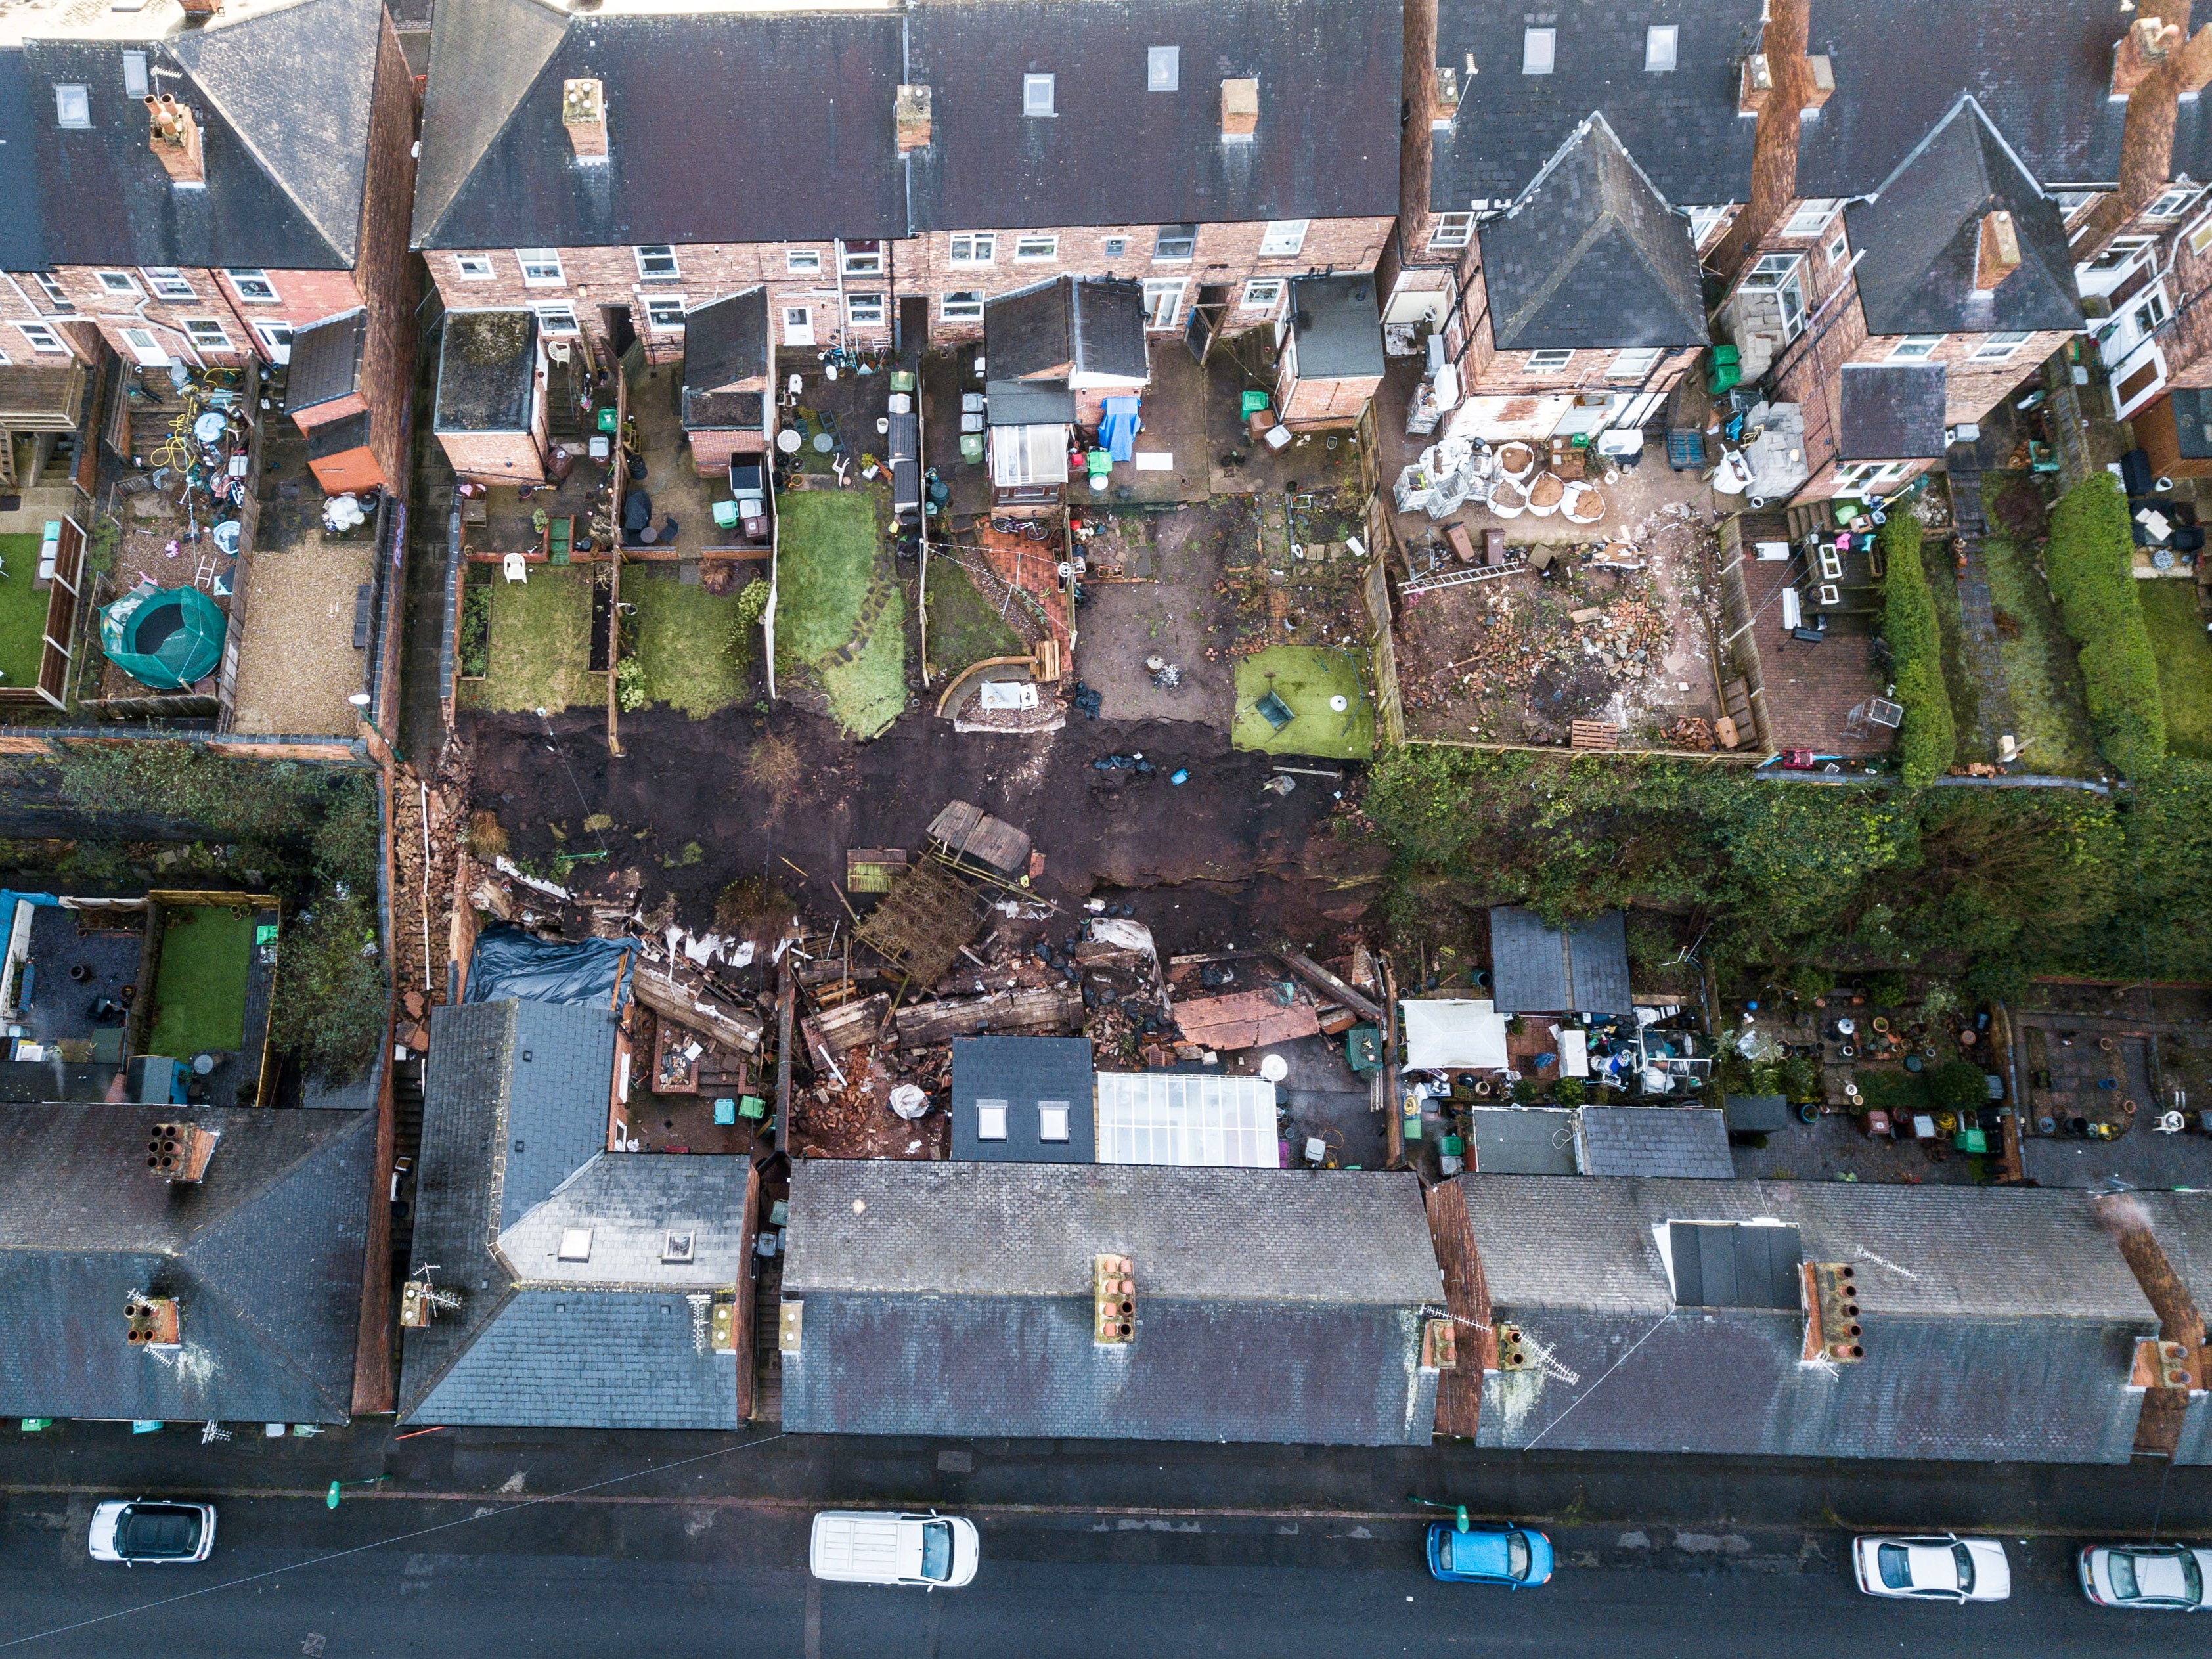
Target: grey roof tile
{"type": "Point", "coordinates": [558, 1095]}
{"type": "Point", "coordinates": [1538, 969]}
{"type": "Point", "coordinates": [1019, 1072]}
{"type": "Point", "coordinates": [1684, 1141]}
{"type": "Point", "coordinates": [1891, 412]}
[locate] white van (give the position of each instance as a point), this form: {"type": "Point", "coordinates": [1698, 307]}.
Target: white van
{"type": "Point", "coordinates": [859, 1546]}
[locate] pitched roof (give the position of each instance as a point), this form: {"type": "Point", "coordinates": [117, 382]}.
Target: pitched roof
{"type": "Point", "coordinates": [1116, 152]}
{"type": "Point", "coordinates": [1590, 256]}
{"type": "Point", "coordinates": [1536, 968]}
{"type": "Point", "coordinates": [325, 362]}
{"type": "Point", "coordinates": [725, 343]}
{"type": "Point", "coordinates": [956, 1298]}
{"type": "Point", "coordinates": [1919, 239]}
{"type": "Point", "coordinates": [282, 95]}
{"type": "Point", "coordinates": [799, 105]}
{"type": "Point", "coordinates": [263, 1257]}
{"type": "Point", "coordinates": [1890, 412]}
{"type": "Point", "coordinates": [1682, 122]}
{"type": "Point", "coordinates": [1017, 1074]}
{"type": "Point", "coordinates": [1067, 326]}
{"type": "Point", "coordinates": [1686, 1141]}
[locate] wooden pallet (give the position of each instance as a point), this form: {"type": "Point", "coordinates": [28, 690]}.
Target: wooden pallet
{"type": "Point", "coordinates": [1594, 734]}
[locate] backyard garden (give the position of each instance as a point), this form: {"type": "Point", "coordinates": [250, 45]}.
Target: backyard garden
{"type": "Point", "coordinates": [22, 612]}
{"type": "Point", "coordinates": [841, 613]}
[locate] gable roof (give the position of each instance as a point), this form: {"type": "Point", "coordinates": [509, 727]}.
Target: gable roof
{"type": "Point", "coordinates": [1018, 1074]}
{"type": "Point", "coordinates": [325, 362]}
{"type": "Point", "coordinates": [1920, 237]}
{"type": "Point", "coordinates": [1684, 1142]}
{"type": "Point", "coordinates": [1536, 968]}
{"type": "Point", "coordinates": [1067, 326]}
{"type": "Point", "coordinates": [1682, 122]}
{"type": "Point", "coordinates": [1590, 256]}
{"type": "Point", "coordinates": [1115, 153]}
{"type": "Point", "coordinates": [1891, 412]}
{"type": "Point", "coordinates": [798, 105]}
{"type": "Point", "coordinates": [725, 345]}
{"type": "Point", "coordinates": [282, 97]}
{"type": "Point", "coordinates": [264, 1257]}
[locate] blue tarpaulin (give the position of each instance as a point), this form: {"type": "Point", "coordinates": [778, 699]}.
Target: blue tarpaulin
{"type": "Point", "coordinates": [508, 963]}
{"type": "Point", "coordinates": [1117, 433]}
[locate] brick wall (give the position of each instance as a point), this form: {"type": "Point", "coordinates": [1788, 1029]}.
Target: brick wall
{"type": "Point", "coordinates": [386, 276]}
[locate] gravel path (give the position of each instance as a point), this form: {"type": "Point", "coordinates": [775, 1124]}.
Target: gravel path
{"type": "Point", "coordinates": [297, 663]}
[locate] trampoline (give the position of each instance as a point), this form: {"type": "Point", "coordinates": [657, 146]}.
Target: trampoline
{"type": "Point", "coordinates": [163, 638]}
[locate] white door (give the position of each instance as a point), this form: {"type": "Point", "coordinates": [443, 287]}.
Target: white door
{"type": "Point", "coordinates": [145, 347]}
{"type": "Point", "coordinates": [1163, 301]}
{"type": "Point", "coordinates": [2137, 378]}
{"type": "Point", "coordinates": [799, 326]}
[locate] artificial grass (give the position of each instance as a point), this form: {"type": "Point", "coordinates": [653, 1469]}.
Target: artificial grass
{"type": "Point", "coordinates": [199, 990]}
{"type": "Point", "coordinates": [1306, 678]}
{"type": "Point", "coordinates": [684, 643]}
{"type": "Point", "coordinates": [22, 612]}
{"type": "Point", "coordinates": [2184, 651]}
{"type": "Point", "coordinates": [540, 650]}
{"type": "Point", "coordinates": [839, 610]}
{"type": "Point", "coordinates": [964, 627]}
{"type": "Point", "coordinates": [2049, 719]}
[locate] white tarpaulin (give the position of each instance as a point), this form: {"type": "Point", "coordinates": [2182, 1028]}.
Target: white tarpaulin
{"type": "Point", "coordinates": [1009, 694]}
{"type": "Point", "coordinates": [1445, 1033]}
{"type": "Point", "coordinates": [1574, 1051]}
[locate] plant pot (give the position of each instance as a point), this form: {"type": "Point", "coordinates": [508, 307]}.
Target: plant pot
{"type": "Point", "coordinates": [1546, 493]}
{"type": "Point", "coordinates": [1509, 500]}
{"type": "Point", "coordinates": [2107, 1044]}
{"type": "Point", "coordinates": [1517, 460]}
{"type": "Point", "coordinates": [1881, 1024]}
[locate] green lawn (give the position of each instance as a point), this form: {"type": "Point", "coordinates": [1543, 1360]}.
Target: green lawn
{"type": "Point", "coordinates": [540, 649]}
{"type": "Point", "coordinates": [1306, 678]}
{"type": "Point", "coordinates": [199, 992]}
{"type": "Point", "coordinates": [964, 627]}
{"type": "Point", "coordinates": [22, 612]}
{"type": "Point", "coordinates": [840, 612]}
{"type": "Point", "coordinates": [1957, 674]}
{"type": "Point", "coordinates": [2049, 719]}
{"type": "Point", "coordinates": [683, 641]}
{"type": "Point", "coordinates": [2184, 651]}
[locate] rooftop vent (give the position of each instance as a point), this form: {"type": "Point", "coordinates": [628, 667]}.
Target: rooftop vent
{"type": "Point", "coordinates": [911, 111]}
{"type": "Point", "coordinates": [584, 115]}
{"type": "Point", "coordinates": [153, 1321]}
{"type": "Point", "coordinates": [1831, 1313]}
{"type": "Point", "coordinates": [178, 1152]}
{"type": "Point", "coordinates": [1240, 109]}
{"type": "Point", "coordinates": [677, 1246]}
{"type": "Point", "coordinates": [1113, 1299]}
{"type": "Point", "coordinates": [175, 140]}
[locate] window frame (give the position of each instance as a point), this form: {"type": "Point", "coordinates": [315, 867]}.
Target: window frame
{"type": "Point", "coordinates": [247, 277]}
{"type": "Point", "coordinates": [1703, 221]}
{"type": "Point", "coordinates": [195, 327]}
{"type": "Point", "coordinates": [853, 302]}
{"type": "Point", "coordinates": [1277, 231]}
{"type": "Point", "coordinates": [991, 1119]}
{"type": "Point", "coordinates": [462, 262]}
{"type": "Point", "coordinates": [658, 302]}
{"type": "Point", "coordinates": [1032, 84]}
{"type": "Point", "coordinates": [1048, 241]}
{"type": "Point", "coordinates": [802, 261]}
{"type": "Point", "coordinates": [657, 252]}
{"type": "Point", "coordinates": [969, 301]}
{"type": "Point", "coordinates": [548, 312]}
{"type": "Point", "coordinates": [2184, 197]}
{"type": "Point", "coordinates": [1113, 247]}
{"type": "Point", "coordinates": [279, 351]}
{"type": "Point", "coordinates": [1655, 35]}
{"type": "Point", "coordinates": [52, 345]}
{"type": "Point", "coordinates": [1915, 349]}
{"type": "Point", "coordinates": [982, 249]}
{"type": "Point", "coordinates": [1452, 230]}
{"type": "Point", "coordinates": [1539, 50]}
{"type": "Point", "coordinates": [2000, 346]}
{"type": "Point", "coordinates": [1549, 361]}
{"type": "Point", "coordinates": [1163, 69]}
{"type": "Point", "coordinates": [550, 260]}
{"type": "Point", "coordinates": [1168, 236]}
{"type": "Point", "coordinates": [863, 258]}
{"type": "Point", "coordinates": [1819, 209]}
{"type": "Point", "coordinates": [164, 281]}
{"type": "Point", "coordinates": [1278, 285]}
{"type": "Point", "coordinates": [1836, 248]}
{"type": "Point", "coordinates": [118, 285]}
{"type": "Point", "coordinates": [1781, 274]}
{"type": "Point", "coordinates": [1621, 367]}
{"type": "Point", "coordinates": [50, 286]}
{"type": "Point", "coordinates": [72, 114]}
{"type": "Point", "coordinates": [1155, 287]}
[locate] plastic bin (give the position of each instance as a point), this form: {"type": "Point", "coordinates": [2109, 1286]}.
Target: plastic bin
{"type": "Point", "coordinates": [1252, 404]}
{"type": "Point", "coordinates": [605, 420]}
{"type": "Point", "coordinates": [725, 518]}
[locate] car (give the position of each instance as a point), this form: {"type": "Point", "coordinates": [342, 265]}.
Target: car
{"type": "Point", "coordinates": [2166, 1578]}
{"type": "Point", "coordinates": [1933, 1567]}
{"type": "Point", "coordinates": [1519, 1558]}
{"type": "Point", "coordinates": [152, 1532]}
{"type": "Point", "coordinates": [864, 1547]}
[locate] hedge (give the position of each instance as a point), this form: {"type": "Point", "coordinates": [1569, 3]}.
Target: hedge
{"type": "Point", "coordinates": [2089, 565]}
{"type": "Point", "coordinates": [1927, 740]}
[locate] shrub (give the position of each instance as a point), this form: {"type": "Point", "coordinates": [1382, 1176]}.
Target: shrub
{"type": "Point", "coordinates": [1927, 741]}
{"type": "Point", "coordinates": [1569, 1091]}
{"type": "Point", "coordinates": [2090, 567]}
{"type": "Point", "coordinates": [1886, 990]}
{"type": "Point", "coordinates": [1801, 1078]}
{"type": "Point", "coordinates": [329, 996]}
{"type": "Point", "coordinates": [1528, 1091]}
{"type": "Point", "coordinates": [1957, 1087]}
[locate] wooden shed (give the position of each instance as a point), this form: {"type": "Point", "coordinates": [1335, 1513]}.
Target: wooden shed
{"type": "Point", "coordinates": [44, 403]}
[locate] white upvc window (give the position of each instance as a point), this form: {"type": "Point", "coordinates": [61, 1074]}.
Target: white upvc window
{"type": "Point", "coordinates": [275, 339]}
{"type": "Point", "coordinates": [42, 337]}
{"type": "Point", "coordinates": [1866, 478]}
{"type": "Point", "coordinates": [975, 248]}
{"type": "Point", "coordinates": [1036, 250]}
{"type": "Point", "coordinates": [252, 286]}
{"type": "Point", "coordinates": [664, 311]}
{"type": "Point", "coordinates": [120, 283]}
{"type": "Point", "coordinates": [540, 266]}
{"type": "Point", "coordinates": [473, 267]}
{"type": "Point", "coordinates": [1263, 293]}
{"type": "Point", "coordinates": [1452, 230]}
{"type": "Point", "coordinates": [207, 333]}
{"type": "Point", "coordinates": [2071, 202]}
{"type": "Point", "coordinates": [1997, 348]}
{"type": "Point", "coordinates": [2172, 202]}
{"type": "Point", "coordinates": [1283, 239]}
{"type": "Point", "coordinates": [1812, 217]}
{"type": "Point", "coordinates": [57, 295]}
{"type": "Point", "coordinates": [962, 306]}
{"type": "Point", "coordinates": [1539, 51]}
{"type": "Point", "coordinates": [556, 316]}
{"type": "Point", "coordinates": [990, 1120]}
{"type": "Point", "coordinates": [802, 261]}
{"type": "Point", "coordinates": [1702, 219]}
{"type": "Point", "coordinates": [1837, 247]}
{"type": "Point", "coordinates": [168, 283]}
{"type": "Point", "coordinates": [1776, 274]}
{"type": "Point", "coordinates": [1037, 95]}
{"type": "Point", "coordinates": [1634, 363]}
{"type": "Point", "coordinates": [1549, 362]}
{"type": "Point", "coordinates": [657, 263]}
{"type": "Point", "coordinates": [864, 310]}
{"type": "Point", "coordinates": [1659, 43]}
{"type": "Point", "coordinates": [860, 259]}
{"type": "Point", "coordinates": [1914, 348]}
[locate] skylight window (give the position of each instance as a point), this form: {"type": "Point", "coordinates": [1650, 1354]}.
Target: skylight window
{"type": "Point", "coordinates": [1052, 1120]}
{"type": "Point", "coordinates": [576, 1244]}
{"type": "Point", "coordinates": [1537, 47]}
{"type": "Point", "coordinates": [1659, 41]}
{"type": "Point", "coordinates": [1037, 95]}
{"type": "Point", "coordinates": [1162, 67]}
{"type": "Point", "coordinates": [134, 74]}
{"type": "Point", "coordinates": [990, 1120]}
{"type": "Point", "coordinates": [72, 107]}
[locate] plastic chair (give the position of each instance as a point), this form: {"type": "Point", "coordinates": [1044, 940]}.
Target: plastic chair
{"type": "Point", "coordinates": [517, 568]}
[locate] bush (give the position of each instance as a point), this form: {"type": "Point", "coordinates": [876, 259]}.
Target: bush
{"type": "Point", "coordinates": [1569, 1091]}
{"type": "Point", "coordinates": [329, 996]}
{"type": "Point", "coordinates": [1528, 1091]}
{"type": "Point", "coordinates": [1800, 1079]}
{"type": "Point", "coordinates": [1927, 742]}
{"type": "Point", "coordinates": [1957, 1087]}
{"type": "Point", "coordinates": [2089, 565]}
{"type": "Point", "coordinates": [1886, 990]}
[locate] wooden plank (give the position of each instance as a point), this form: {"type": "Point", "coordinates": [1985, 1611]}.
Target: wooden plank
{"type": "Point", "coordinates": [1459, 1391]}
{"type": "Point", "coordinates": [1245, 1019]}
{"type": "Point", "coordinates": [1594, 734]}
{"type": "Point", "coordinates": [1321, 979]}
{"type": "Point", "coordinates": [1059, 1005]}
{"type": "Point", "coordinates": [725, 1022]}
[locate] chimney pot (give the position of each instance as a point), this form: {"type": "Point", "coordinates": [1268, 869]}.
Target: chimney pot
{"type": "Point", "coordinates": [912, 110]}
{"type": "Point", "coordinates": [1240, 108]}
{"type": "Point", "coordinates": [1447, 105]}
{"type": "Point", "coordinates": [175, 139]}
{"type": "Point", "coordinates": [584, 115]}
{"type": "Point", "coordinates": [1997, 254]}
{"type": "Point", "coordinates": [1758, 85]}
{"type": "Point", "coordinates": [1821, 81]}
{"type": "Point", "coordinates": [2142, 53]}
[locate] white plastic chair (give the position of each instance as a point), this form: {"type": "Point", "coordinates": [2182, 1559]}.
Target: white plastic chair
{"type": "Point", "coordinates": [517, 568]}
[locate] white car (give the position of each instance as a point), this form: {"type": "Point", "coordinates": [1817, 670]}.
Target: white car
{"type": "Point", "coordinates": [150, 1532]}
{"type": "Point", "coordinates": [862, 1546]}
{"type": "Point", "coordinates": [2168, 1577]}
{"type": "Point", "coordinates": [1937, 1567]}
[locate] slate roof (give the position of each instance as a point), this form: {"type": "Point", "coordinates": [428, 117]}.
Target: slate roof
{"type": "Point", "coordinates": [1018, 1072]}
{"type": "Point", "coordinates": [1590, 256]}
{"type": "Point", "coordinates": [2192, 422]}
{"type": "Point", "coordinates": [1920, 239]}
{"type": "Point", "coordinates": [1686, 1141]}
{"type": "Point", "coordinates": [1115, 153]}
{"type": "Point", "coordinates": [325, 362]}
{"type": "Point", "coordinates": [956, 1300]}
{"type": "Point", "coordinates": [1338, 328]}
{"type": "Point", "coordinates": [1094, 326]}
{"type": "Point", "coordinates": [2018, 1292]}
{"type": "Point", "coordinates": [1682, 124]}
{"type": "Point", "coordinates": [798, 105]}
{"type": "Point", "coordinates": [725, 343]}
{"type": "Point", "coordinates": [264, 1256]}
{"type": "Point", "coordinates": [1891, 412]}
{"type": "Point", "coordinates": [282, 96]}
{"type": "Point", "coordinates": [1535, 968]}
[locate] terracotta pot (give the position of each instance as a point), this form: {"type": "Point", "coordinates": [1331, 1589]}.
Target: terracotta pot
{"type": "Point", "coordinates": [1546, 493]}
{"type": "Point", "coordinates": [1515, 460]}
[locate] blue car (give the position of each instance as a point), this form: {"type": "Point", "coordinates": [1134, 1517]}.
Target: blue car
{"type": "Point", "coordinates": [1516, 1557]}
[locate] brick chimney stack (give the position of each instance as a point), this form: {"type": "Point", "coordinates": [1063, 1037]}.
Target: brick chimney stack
{"type": "Point", "coordinates": [911, 110]}
{"type": "Point", "coordinates": [1240, 109]}
{"type": "Point", "coordinates": [2159, 1429]}
{"type": "Point", "coordinates": [1998, 254]}
{"type": "Point", "coordinates": [2143, 50]}
{"type": "Point", "coordinates": [584, 116]}
{"type": "Point", "coordinates": [1778, 84]}
{"type": "Point", "coordinates": [175, 140]}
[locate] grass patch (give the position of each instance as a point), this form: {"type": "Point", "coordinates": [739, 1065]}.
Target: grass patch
{"type": "Point", "coordinates": [1306, 678]}
{"type": "Point", "coordinates": [964, 627]}
{"type": "Point", "coordinates": [540, 652]}
{"type": "Point", "coordinates": [2091, 562]}
{"type": "Point", "coordinates": [2050, 721]}
{"type": "Point", "coordinates": [199, 991]}
{"type": "Point", "coordinates": [1958, 682]}
{"type": "Point", "coordinates": [2184, 652]}
{"type": "Point", "coordinates": [692, 657]}
{"type": "Point", "coordinates": [22, 612]}
{"type": "Point", "coordinates": [840, 612]}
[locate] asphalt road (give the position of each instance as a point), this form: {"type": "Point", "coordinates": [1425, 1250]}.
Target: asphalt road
{"type": "Point", "coordinates": [663, 1578]}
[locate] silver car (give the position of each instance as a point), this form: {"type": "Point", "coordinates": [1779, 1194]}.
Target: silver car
{"type": "Point", "coordinates": [1933, 1567]}
{"type": "Point", "coordinates": [2166, 1578]}
{"type": "Point", "coordinates": [149, 1532]}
